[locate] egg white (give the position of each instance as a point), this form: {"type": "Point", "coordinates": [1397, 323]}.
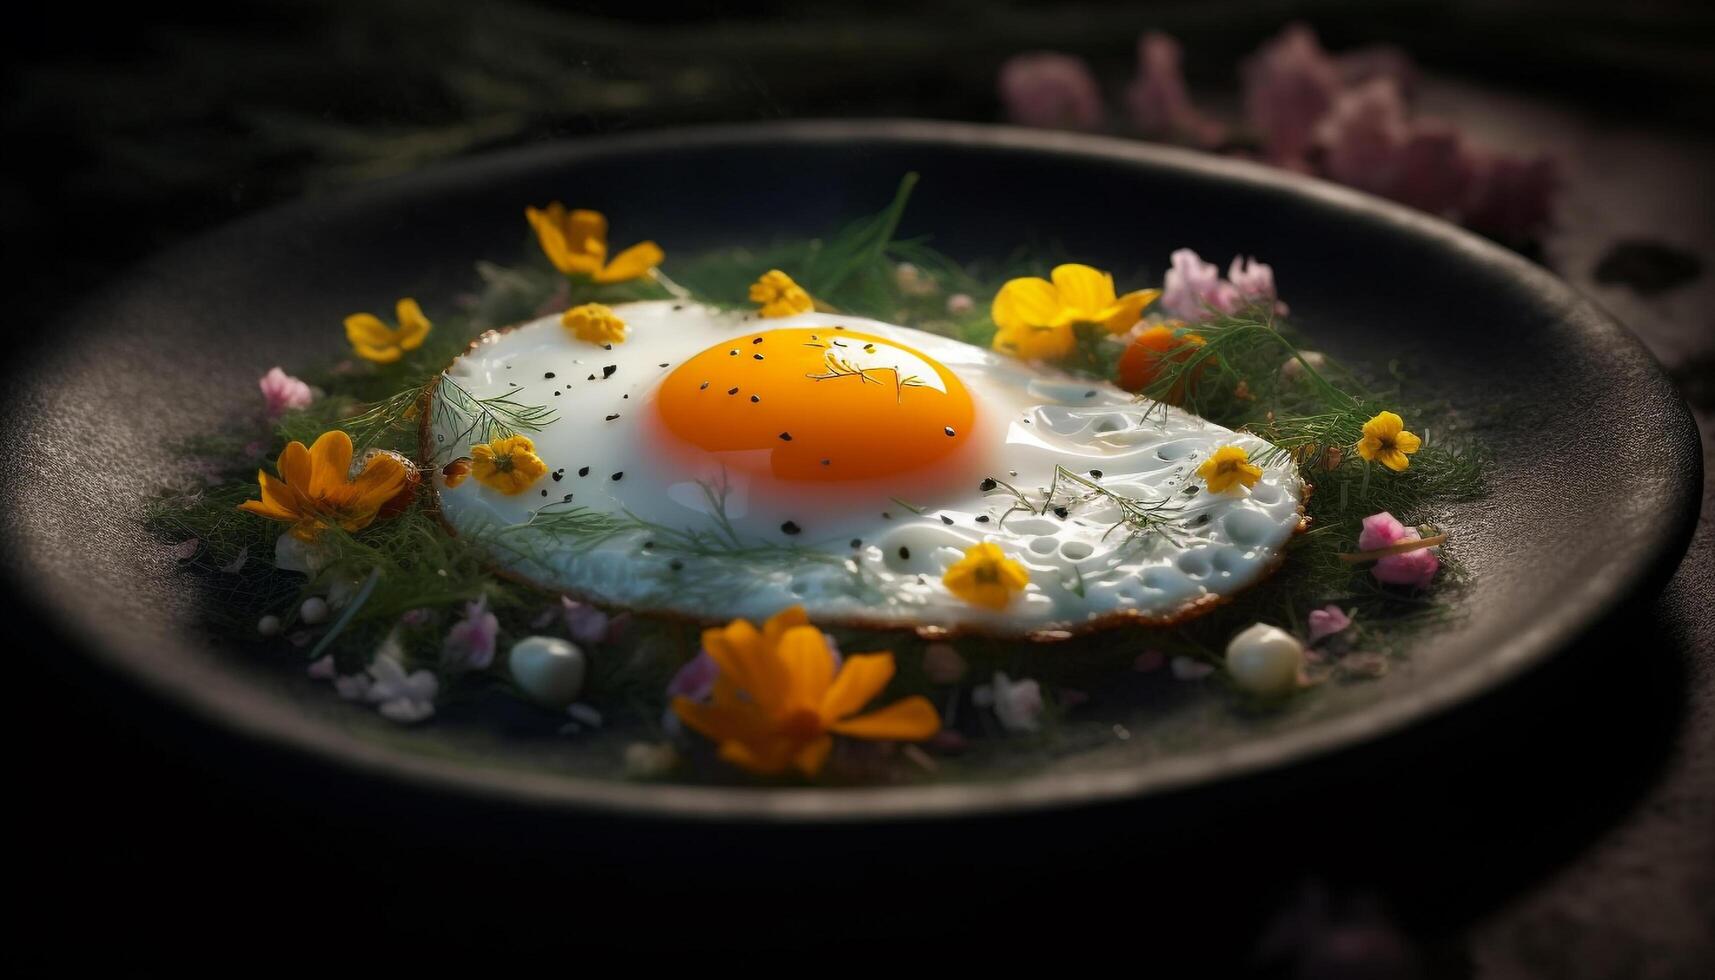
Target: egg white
{"type": "Point", "coordinates": [605, 457]}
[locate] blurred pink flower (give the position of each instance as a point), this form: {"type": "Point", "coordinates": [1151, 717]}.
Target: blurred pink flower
{"type": "Point", "coordinates": [584, 623]}
{"type": "Point", "coordinates": [1512, 198]}
{"type": "Point", "coordinates": [695, 680]}
{"type": "Point", "coordinates": [470, 642]}
{"type": "Point", "coordinates": [1159, 103]}
{"type": "Point", "coordinates": [1051, 91]}
{"type": "Point", "coordinates": [1359, 65]}
{"type": "Point", "coordinates": [1194, 289]}
{"type": "Point", "coordinates": [1414, 568]}
{"type": "Point", "coordinates": [1327, 621]}
{"type": "Point", "coordinates": [1289, 84]}
{"type": "Point", "coordinates": [281, 392]}
{"type": "Point", "coordinates": [1367, 142]}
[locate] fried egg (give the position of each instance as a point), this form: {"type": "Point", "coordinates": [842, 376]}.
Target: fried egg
{"type": "Point", "coordinates": [718, 465]}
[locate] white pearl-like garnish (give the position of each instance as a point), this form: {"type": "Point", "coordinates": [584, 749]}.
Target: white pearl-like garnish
{"type": "Point", "coordinates": [313, 611]}
{"type": "Point", "coordinates": [1265, 660]}
{"type": "Point", "coordinates": [549, 670]}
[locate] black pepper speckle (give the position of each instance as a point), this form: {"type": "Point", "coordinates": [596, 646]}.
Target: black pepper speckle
{"type": "Point", "coordinates": [756, 340]}
{"type": "Point", "coordinates": [615, 415]}
{"type": "Point", "coordinates": [583, 471]}
{"type": "Point", "coordinates": [1096, 473]}
{"type": "Point", "coordinates": [607, 371]}
{"type": "Point", "coordinates": [945, 519]}
{"type": "Point", "coordinates": [732, 391]}
{"type": "Point", "coordinates": [904, 553]}
{"type": "Point", "coordinates": [755, 398]}
{"type": "Point", "coordinates": [702, 386]}
{"type": "Point", "coordinates": [857, 542]}
{"type": "Point", "coordinates": [785, 437]}
{"type": "Point", "coordinates": [987, 485]}
{"type": "Point", "coordinates": [676, 564]}
{"type": "Point", "coordinates": [790, 527]}
{"type": "Point", "coordinates": [948, 430]}
{"type": "Point", "coordinates": [982, 519]}
{"type": "Point", "coordinates": [547, 374]}
{"type": "Point", "coordinates": [1060, 512]}
{"type": "Point", "coordinates": [621, 473]}
{"type": "Point", "coordinates": [757, 356]}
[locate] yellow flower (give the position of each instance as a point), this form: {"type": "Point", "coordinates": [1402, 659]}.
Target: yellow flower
{"type": "Point", "coordinates": [778, 701]}
{"type": "Point", "coordinates": [1036, 316]}
{"type": "Point", "coordinates": [576, 242]}
{"type": "Point", "coordinates": [376, 341]}
{"type": "Point", "coordinates": [1229, 465]}
{"type": "Point", "coordinates": [315, 490]}
{"type": "Point", "coordinates": [779, 295]}
{"type": "Point", "coordinates": [986, 577]}
{"type": "Point", "coordinates": [509, 465]}
{"type": "Point", "coordinates": [594, 323]}
{"type": "Point", "coordinates": [1386, 442]}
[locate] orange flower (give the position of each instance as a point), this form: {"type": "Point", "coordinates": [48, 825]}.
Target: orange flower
{"type": "Point", "coordinates": [1151, 351]}
{"type": "Point", "coordinates": [778, 702]}
{"type": "Point", "coordinates": [315, 490]}
{"type": "Point", "coordinates": [576, 242]}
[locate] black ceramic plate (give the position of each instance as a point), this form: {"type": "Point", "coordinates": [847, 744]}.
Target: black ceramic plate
{"type": "Point", "coordinates": [1595, 479]}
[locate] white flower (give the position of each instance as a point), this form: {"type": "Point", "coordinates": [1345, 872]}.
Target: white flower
{"type": "Point", "coordinates": [1018, 704]}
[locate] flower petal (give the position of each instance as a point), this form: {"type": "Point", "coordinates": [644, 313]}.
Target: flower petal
{"type": "Point", "coordinates": [1083, 289]}
{"type": "Point", "coordinates": [632, 263]}
{"type": "Point", "coordinates": [1123, 315]}
{"type": "Point", "coordinates": [810, 757]}
{"type": "Point", "coordinates": [861, 678]}
{"type": "Point", "coordinates": [367, 330]}
{"type": "Point", "coordinates": [1385, 425]}
{"type": "Point", "coordinates": [910, 720]}
{"type": "Point", "coordinates": [295, 467]}
{"type": "Point", "coordinates": [413, 325]}
{"type": "Point", "coordinates": [1408, 442]}
{"type": "Point", "coordinates": [803, 651]}
{"type": "Point", "coordinates": [330, 464]}
{"type": "Point", "coordinates": [1024, 303]}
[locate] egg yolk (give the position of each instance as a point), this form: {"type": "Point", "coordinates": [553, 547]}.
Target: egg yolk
{"type": "Point", "coordinates": [818, 404]}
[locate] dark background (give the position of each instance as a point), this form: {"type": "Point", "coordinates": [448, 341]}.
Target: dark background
{"type": "Point", "coordinates": [1564, 827]}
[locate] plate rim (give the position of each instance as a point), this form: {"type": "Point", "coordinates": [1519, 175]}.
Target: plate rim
{"type": "Point", "coordinates": [236, 707]}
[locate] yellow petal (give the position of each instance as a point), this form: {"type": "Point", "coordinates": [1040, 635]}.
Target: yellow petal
{"type": "Point", "coordinates": [803, 651]}
{"type": "Point", "coordinates": [330, 464]}
{"type": "Point", "coordinates": [1123, 315]}
{"type": "Point", "coordinates": [1035, 343]}
{"type": "Point", "coordinates": [295, 467]}
{"type": "Point", "coordinates": [1369, 447]}
{"type": "Point", "coordinates": [413, 325]}
{"type": "Point", "coordinates": [1385, 425]}
{"type": "Point", "coordinates": [1407, 442]}
{"type": "Point", "coordinates": [1084, 290]}
{"type": "Point", "coordinates": [586, 233]}
{"type": "Point", "coordinates": [633, 262]}
{"type": "Point", "coordinates": [861, 678]}
{"type": "Point", "coordinates": [367, 330]}
{"type": "Point", "coordinates": [809, 758]}
{"type": "Point", "coordinates": [379, 355]}
{"type": "Point", "coordinates": [910, 720]}
{"type": "Point", "coordinates": [1025, 302]}
{"type": "Point", "coordinates": [719, 722]}
{"type": "Point", "coordinates": [1394, 460]}
{"type": "Point", "coordinates": [768, 757]}
{"type": "Point", "coordinates": [782, 621]}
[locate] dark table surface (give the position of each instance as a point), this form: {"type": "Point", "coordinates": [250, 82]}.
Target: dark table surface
{"type": "Point", "coordinates": [1564, 827]}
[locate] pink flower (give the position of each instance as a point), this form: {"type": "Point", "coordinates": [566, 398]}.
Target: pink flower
{"type": "Point", "coordinates": [1051, 91]}
{"type": "Point", "coordinates": [1194, 289]}
{"type": "Point", "coordinates": [470, 642]}
{"type": "Point", "coordinates": [1158, 100]}
{"type": "Point", "coordinates": [1327, 621]}
{"type": "Point", "coordinates": [1361, 136]}
{"type": "Point", "coordinates": [1289, 84]}
{"type": "Point", "coordinates": [1254, 282]}
{"type": "Point", "coordinates": [1378, 61]}
{"type": "Point", "coordinates": [584, 623]}
{"type": "Point", "coordinates": [281, 392]}
{"type": "Point", "coordinates": [1414, 568]}
{"type": "Point", "coordinates": [695, 680]}
{"type": "Point", "coordinates": [1512, 198]}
